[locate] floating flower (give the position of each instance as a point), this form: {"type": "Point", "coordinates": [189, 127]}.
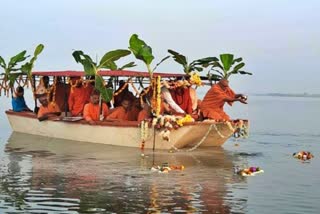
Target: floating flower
{"type": "Point", "coordinates": [303, 155]}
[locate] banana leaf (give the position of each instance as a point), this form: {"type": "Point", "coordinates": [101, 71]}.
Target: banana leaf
{"type": "Point", "coordinates": [140, 49]}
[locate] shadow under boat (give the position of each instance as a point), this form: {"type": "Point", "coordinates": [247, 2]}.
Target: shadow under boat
{"type": "Point", "coordinates": [108, 177]}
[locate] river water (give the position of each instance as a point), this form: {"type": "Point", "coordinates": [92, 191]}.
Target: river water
{"type": "Point", "coordinates": [42, 175]}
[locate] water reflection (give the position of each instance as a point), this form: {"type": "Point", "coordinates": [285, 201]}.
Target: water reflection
{"type": "Point", "coordinates": [49, 175]}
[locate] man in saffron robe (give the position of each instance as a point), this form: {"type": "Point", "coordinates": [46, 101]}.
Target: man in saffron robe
{"type": "Point", "coordinates": [120, 112]}
{"type": "Point", "coordinates": [213, 102]}
{"type": "Point", "coordinates": [47, 110]}
{"type": "Point", "coordinates": [79, 96]}
{"type": "Point", "coordinates": [134, 110]}
{"type": "Point", "coordinates": [181, 96]}
{"type": "Point", "coordinates": [91, 111]}
{"type": "Point", "coordinates": [123, 93]}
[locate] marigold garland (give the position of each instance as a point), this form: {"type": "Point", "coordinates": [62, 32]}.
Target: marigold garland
{"type": "Point", "coordinates": [195, 78]}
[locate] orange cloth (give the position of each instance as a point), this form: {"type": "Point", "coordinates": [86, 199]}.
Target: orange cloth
{"type": "Point", "coordinates": [51, 108]}
{"type": "Point", "coordinates": [213, 102]}
{"type": "Point", "coordinates": [119, 113]}
{"type": "Point", "coordinates": [133, 114]}
{"type": "Point", "coordinates": [78, 98]}
{"type": "Point", "coordinates": [183, 99]}
{"type": "Point", "coordinates": [62, 91]}
{"type": "Point", "coordinates": [143, 114]}
{"type": "Point", "coordinates": [91, 112]}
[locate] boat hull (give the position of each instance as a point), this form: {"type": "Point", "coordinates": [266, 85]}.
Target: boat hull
{"type": "Point", "coordinates": [198, 134]}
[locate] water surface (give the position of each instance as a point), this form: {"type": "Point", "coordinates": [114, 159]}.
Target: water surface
{"type": "Point", "coordinates": [43, 175]}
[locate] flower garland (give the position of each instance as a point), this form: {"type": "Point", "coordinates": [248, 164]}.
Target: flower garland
{"type": "Point", "coordinates": [195, 78]}
{"type": "Point", "coordinates": [169, 122]}
{"type": "Point", "coordinates": [144, 133]}
{"type": "Point", "coordinates": [158, 106]}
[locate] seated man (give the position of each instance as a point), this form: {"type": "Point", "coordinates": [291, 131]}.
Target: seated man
{"type": "Point", "coordinates": [216, 97]}
{"type": "Point", "coordinates": [91, 112]}
{"type": "Point", "coordinates": [122, 93]}
{"type": "Point", "coordinates": [47, 110]}
{"type": "Point", "coordinates": [181, 96]}
{"type": "Point", "coordinates": [120, 112]}
{"type": "Point", "coordinates": [165, 94]}
{"type": "Point", "coordinates": [18, 102]}
{"type": "Point", "coordinates": [134, 110]}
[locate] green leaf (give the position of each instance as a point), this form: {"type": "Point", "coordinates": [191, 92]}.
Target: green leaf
{"type": "Point", "coordinates": [2, 63]}
{"type": "Point", "coordinates": [217, 64]}
{"type": "Point", "coordinates": [244, 72]}
{"type": "Point", "coordinates": [26, 68]}
{"type": "Point", "coordinates": [112, 56]}
{"type": "Point", "coordinates": [237, 60]}
{"type": "Point", "coordinates": [128, 65]}
{"type": "Point", "coordinates": [89, 68]}
{"type": "Point", "coordinates": [111, 65]}
{"type": "Point", "coordinates": [140, 49]}
{"type": "Point", "coordinates": [204, 61]}
{"type": "Point", "coordinates": [146, 54]}
{"type": "Point", "coordinates": [161, 61]}
{"type": "Point", "coordinates": [106, 94]}
{"type": "Point", "coordinates": [239, 66]}
{"type": "Point", "coordinates": [197, 68]}
{"type": "Point", "coordinates": [12, 78]}
{"type": "Point", "coordinates": [226, 60]}
{"type": "Point", "coordinates": [79, 56]}
{"type": "Point", "coordinates": [214, 77]}
{"type": "Point", "coordinates": [38, 50]}
{"type": "Point", "coordinates": [17, 58]}
{"type": "Point", "coordinates": [179, 58]}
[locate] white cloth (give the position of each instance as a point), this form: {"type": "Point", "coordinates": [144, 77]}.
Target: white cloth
{"type": "Point", "coordinates": [168, 98]}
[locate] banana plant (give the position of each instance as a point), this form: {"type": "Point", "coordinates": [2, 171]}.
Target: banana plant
{"type": "Point", "coordinates": [196, 65]}
{"type": "Point", "coordinates": [12, 69]}
{"type": "Point", "coordinates": [225, 67]}
{"type": "Point", "coordinates": [143, 52]}
{"type": "Point", "coordinates": [114, 67]}
{"type": "Point", "coordinates": [27, 68]}
{"type": "Point", "coordinates": [92, 68]}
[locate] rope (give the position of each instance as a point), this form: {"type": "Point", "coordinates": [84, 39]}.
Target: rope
{"type": "Point", "coordinates": [201, 141]}
{"type": "Point", "coordinates": [219, 133]}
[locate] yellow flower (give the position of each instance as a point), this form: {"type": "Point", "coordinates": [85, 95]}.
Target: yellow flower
{"type": "Point", "coordinates": [195, 78]}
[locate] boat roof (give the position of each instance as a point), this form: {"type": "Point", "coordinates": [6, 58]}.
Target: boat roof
{"type": "Point", "coordinates": [122, 73]}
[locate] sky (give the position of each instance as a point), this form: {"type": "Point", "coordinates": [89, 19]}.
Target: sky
{"type": "Point", "coordinates": [279, 40]}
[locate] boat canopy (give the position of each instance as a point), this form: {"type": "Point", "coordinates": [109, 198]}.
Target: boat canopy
{"type": "Point", "coordinates": [122, 73]}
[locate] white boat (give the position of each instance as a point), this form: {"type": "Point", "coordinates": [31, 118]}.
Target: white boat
{"type": "Point", "coordinates": [128, 133]}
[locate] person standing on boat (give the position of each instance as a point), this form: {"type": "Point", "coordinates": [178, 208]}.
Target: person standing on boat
{"type": "Point", "coordinates": [120, 112]}
{"type": "Point", "coordinates": [79, 96]}
{"type": "Point", "coordinates": [91, 111]}
{"type": "Point", "coordinates": [216, 97]}
{"type": "Point", "coordinates": [18, 102]}
{"type": "Point", "coordinates": [47, 110]}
